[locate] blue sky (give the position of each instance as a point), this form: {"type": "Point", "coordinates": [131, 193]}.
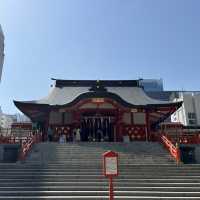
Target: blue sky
{"type": "Point", "coordinates": [97, 39]}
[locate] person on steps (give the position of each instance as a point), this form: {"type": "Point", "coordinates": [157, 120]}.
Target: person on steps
{"type": "Point", "coordinates": [78, 135]}
{"type": "Point", "coordinates": [50, 134]}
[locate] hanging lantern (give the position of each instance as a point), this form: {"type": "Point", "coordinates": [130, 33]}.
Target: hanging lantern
{"type": "Point", "coordinates": [185, 140]}
{"type": "Point", "coordinates": [133, 136]}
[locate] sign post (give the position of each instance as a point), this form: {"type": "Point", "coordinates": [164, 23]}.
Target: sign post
{"type": "Point", "coordinates": [110, 169]}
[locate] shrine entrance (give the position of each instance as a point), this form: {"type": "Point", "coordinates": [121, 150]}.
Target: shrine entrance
{"type": "Point", "coordinates": [97, 128]}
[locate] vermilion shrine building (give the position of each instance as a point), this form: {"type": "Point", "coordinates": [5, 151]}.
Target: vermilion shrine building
{"type": "Point", "coordinates": [117, 107]}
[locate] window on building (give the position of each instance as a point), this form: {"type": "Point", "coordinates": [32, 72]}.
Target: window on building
{"type": "Point", "coordinates": [192, 118]}
{"type": "Point", "coordinates": [191, 115]}
{"type": "Point", "coordinates": [192, 122]}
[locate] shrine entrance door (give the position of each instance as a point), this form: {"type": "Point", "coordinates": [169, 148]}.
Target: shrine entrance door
{"type": "Point", "coordinates": [97, 128]}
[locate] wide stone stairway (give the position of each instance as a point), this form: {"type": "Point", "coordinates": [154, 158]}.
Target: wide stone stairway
{"type": "Point", "coordinates": [74, 171]}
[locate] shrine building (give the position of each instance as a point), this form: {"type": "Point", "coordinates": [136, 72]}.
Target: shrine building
{"type": "Point", "coordinates": [116, 107]}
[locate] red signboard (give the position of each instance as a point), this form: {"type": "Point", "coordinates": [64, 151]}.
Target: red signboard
{"type": "Point", "coordinates": [98, 100]}
{"type": "Point", "coordinates": [110, 163]}
{"type": "Point", "coordinates": [110, 169]}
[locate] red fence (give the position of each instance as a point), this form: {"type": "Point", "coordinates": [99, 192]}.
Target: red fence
{"type": "Point", "coordinates": [184, 138]}
{"type": "Point", "coordinates": [12, 139]}
{"type": "Point", "coordinates": [189, 138]}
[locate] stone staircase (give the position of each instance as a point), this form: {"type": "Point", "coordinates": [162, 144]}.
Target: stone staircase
{"type": "Point", "coordinates": [74, 171]}
{"type": "Point", "coordinates": [91, 153]}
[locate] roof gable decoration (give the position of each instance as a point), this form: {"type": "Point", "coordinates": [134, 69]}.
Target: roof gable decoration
{"type": "Point", "coordinates": [88, 83]}
{"type": "Point", "coordinates": [98, 87]}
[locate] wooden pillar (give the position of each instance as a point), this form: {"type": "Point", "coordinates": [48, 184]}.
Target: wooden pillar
{"type": "Point", "coordinates": [63, 118]}
{"type": "Point", "coordinates": [147, 125]}
{"type": "Point", "coordinates": [119, 126]}
{"type": "Point", "coordinates": [44, 134]}
{"type": "Point", "coordinates": [117, 136]}
{"type": "Point", "coordinates": [132, 118]}
{"type": "Point", "coordinates": [76, 118]}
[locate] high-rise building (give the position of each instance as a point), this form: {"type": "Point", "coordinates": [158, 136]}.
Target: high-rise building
{"type": "Point", "coordinates": [189, 113]}
{"type": "Point", "coordinates": [1, 114]}
{"type": "Point", "coordinates": [7, 120]}
{"type": "Point", "coordinates": [151, 85]}
{"type": "Point", "coordinates": [1, 51]}
{"type": "Point", "coordinates": [21, 118]}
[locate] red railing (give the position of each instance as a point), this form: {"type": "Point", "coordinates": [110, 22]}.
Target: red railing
{"type": "Point", "coordinates": [193, 138]}
{"type": "Point", "coordinates": [184, 138]}
{"type": "Point", "coordinates": [9, 139]}
{"type": "Point", "coordinates": [26, 139]}
{"type": "Point", "coordinates": [173, 150]}
{"type": "Point", "coordinates": [26, 145]}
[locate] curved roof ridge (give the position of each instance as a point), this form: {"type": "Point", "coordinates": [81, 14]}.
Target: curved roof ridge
{"type": "Point", "coordinates": [134, 96]}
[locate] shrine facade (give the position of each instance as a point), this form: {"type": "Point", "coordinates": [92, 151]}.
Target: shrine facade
{"type": "Point", "coordinates": [116, 108]}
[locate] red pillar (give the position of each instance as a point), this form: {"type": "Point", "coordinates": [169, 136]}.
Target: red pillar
{"type": "Point", "coordinates": [76, 119]}
{"type": "Point", "coordinates": [111, 191]}
{"type": "Point", "coordinates": [119, 132]}
{"type": "Point", "coordinates": [147, 125]}
{"type": "Point", "coordinates": [45, 137]}
{"type": "Point", "coordinates": [119, 126]}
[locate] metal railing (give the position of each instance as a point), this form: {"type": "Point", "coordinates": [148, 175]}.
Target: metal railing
{"type": "Point", "coordinates": [27, 144]}
{"type": "Point", "coordinates": [173, 149]}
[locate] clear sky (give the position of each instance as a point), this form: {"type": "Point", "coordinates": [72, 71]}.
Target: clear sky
{"type": "Point", "coordinates": [97, 39]}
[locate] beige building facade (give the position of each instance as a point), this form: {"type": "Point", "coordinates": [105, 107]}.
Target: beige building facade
{"type": "Point", "coordinates": [1, 51]}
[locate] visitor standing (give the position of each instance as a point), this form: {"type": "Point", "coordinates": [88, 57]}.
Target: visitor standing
{"type": "Point", "coordinates": [50, 134]}
{"type": "Point", "coordinates": [62, 138]}
{"type": "Point", "coordinates": [74, 135]}
{"type": "Point", "coordinates": [78, 135]}
{"type": "Point", "coordinates": [126, 138]}
{"type": "Point", "coordinates": [100, 137]}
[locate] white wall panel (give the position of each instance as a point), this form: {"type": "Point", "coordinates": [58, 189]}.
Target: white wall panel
{"type": "Point", "coordinates": [55, 118]}
{"type": "Point", "coordinates": [127, 118]}
{"type": "Point", "coordinates": [139, 118]}
{"type": "Point", "coordinates": [68, 118]}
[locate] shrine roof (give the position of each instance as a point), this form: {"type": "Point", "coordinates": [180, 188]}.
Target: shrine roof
{"type": "Point", "coordinates": [127, 92]}
{"type": "Point", "coordinates": [89, 83]}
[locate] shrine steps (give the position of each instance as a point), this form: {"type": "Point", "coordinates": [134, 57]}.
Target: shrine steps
{"type": "Point", "coordinates": [135, 152]}
{"type": "Point", "coordinates": [53, 171]}
{"type": "Point", "coordinates": [56, 181]}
